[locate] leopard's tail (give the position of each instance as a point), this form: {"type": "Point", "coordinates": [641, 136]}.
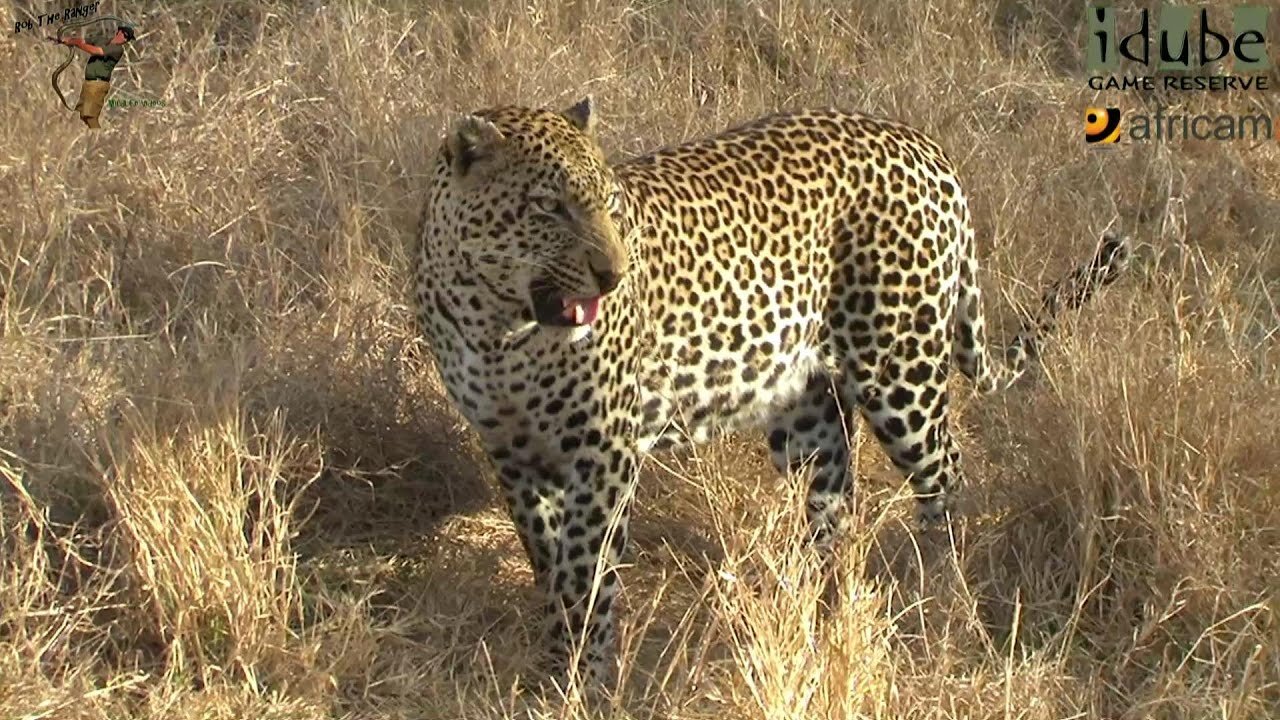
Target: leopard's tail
{"type": "Point", "coordinates": [1069, 293]}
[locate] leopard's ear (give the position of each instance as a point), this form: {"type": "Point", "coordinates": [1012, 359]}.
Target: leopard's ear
{"type": "Point", "coordinates": [471, 140]}
{"type": "Point", "coordinates": [582, 115]}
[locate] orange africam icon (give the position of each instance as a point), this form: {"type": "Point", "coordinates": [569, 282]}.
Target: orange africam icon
{"type": "Point", "coordinates": [1101, 125]}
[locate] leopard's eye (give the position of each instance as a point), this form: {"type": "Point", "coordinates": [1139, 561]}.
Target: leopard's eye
{"type": "Point", "coordinates": [547, 204]}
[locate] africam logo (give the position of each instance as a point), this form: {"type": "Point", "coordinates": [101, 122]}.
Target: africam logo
{"type": "Point", "coordinates": [1103, 126]}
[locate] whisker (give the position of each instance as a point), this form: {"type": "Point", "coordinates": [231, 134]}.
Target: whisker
{"type": "Point", "coordinates": [484, 255]}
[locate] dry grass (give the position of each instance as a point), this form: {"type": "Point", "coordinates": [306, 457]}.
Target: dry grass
{"type": "Point", "coordinates": [231, 488]}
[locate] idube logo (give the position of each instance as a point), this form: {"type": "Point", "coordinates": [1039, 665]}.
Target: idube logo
{"type": "Point", "coordinates": [1175, 45]}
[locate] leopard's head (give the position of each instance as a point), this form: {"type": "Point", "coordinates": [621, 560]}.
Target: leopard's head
{"type": "Point", "coordinates": [525, 198]}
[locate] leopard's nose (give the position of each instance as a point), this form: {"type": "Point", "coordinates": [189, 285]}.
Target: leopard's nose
{"type": "Point", "coordinates": [607, 280]}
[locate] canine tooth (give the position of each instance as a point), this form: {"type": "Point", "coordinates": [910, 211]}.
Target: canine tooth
{"type": "Point", "coordinates": [579, 314]}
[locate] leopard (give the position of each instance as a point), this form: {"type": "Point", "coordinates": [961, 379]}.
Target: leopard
{"type": "Point", "coordinates": [796, 275]}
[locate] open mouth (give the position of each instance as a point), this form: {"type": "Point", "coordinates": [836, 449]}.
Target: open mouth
{"type": "Point", "coordinates": [550, 307]}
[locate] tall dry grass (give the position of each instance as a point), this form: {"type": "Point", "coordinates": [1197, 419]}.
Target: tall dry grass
{"type": "Point", "coordinates": [231, 487]}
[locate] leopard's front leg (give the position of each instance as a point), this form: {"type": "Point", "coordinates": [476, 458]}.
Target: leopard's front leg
{"type": "Point", "coordinates": [584, 577]}
{"type": "Point", "coordinates": [535, 500]}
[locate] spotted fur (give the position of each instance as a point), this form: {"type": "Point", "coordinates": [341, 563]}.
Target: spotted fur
{"type": "Point", "coordinates": [791, 274]}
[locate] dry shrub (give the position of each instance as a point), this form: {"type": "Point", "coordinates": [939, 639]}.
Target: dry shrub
{"type": "Point", "coordinates": [206, 533]}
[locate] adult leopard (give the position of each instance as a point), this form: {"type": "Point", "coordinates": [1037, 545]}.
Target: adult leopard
{"type": "Point", "coordinates": [792, 272]}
